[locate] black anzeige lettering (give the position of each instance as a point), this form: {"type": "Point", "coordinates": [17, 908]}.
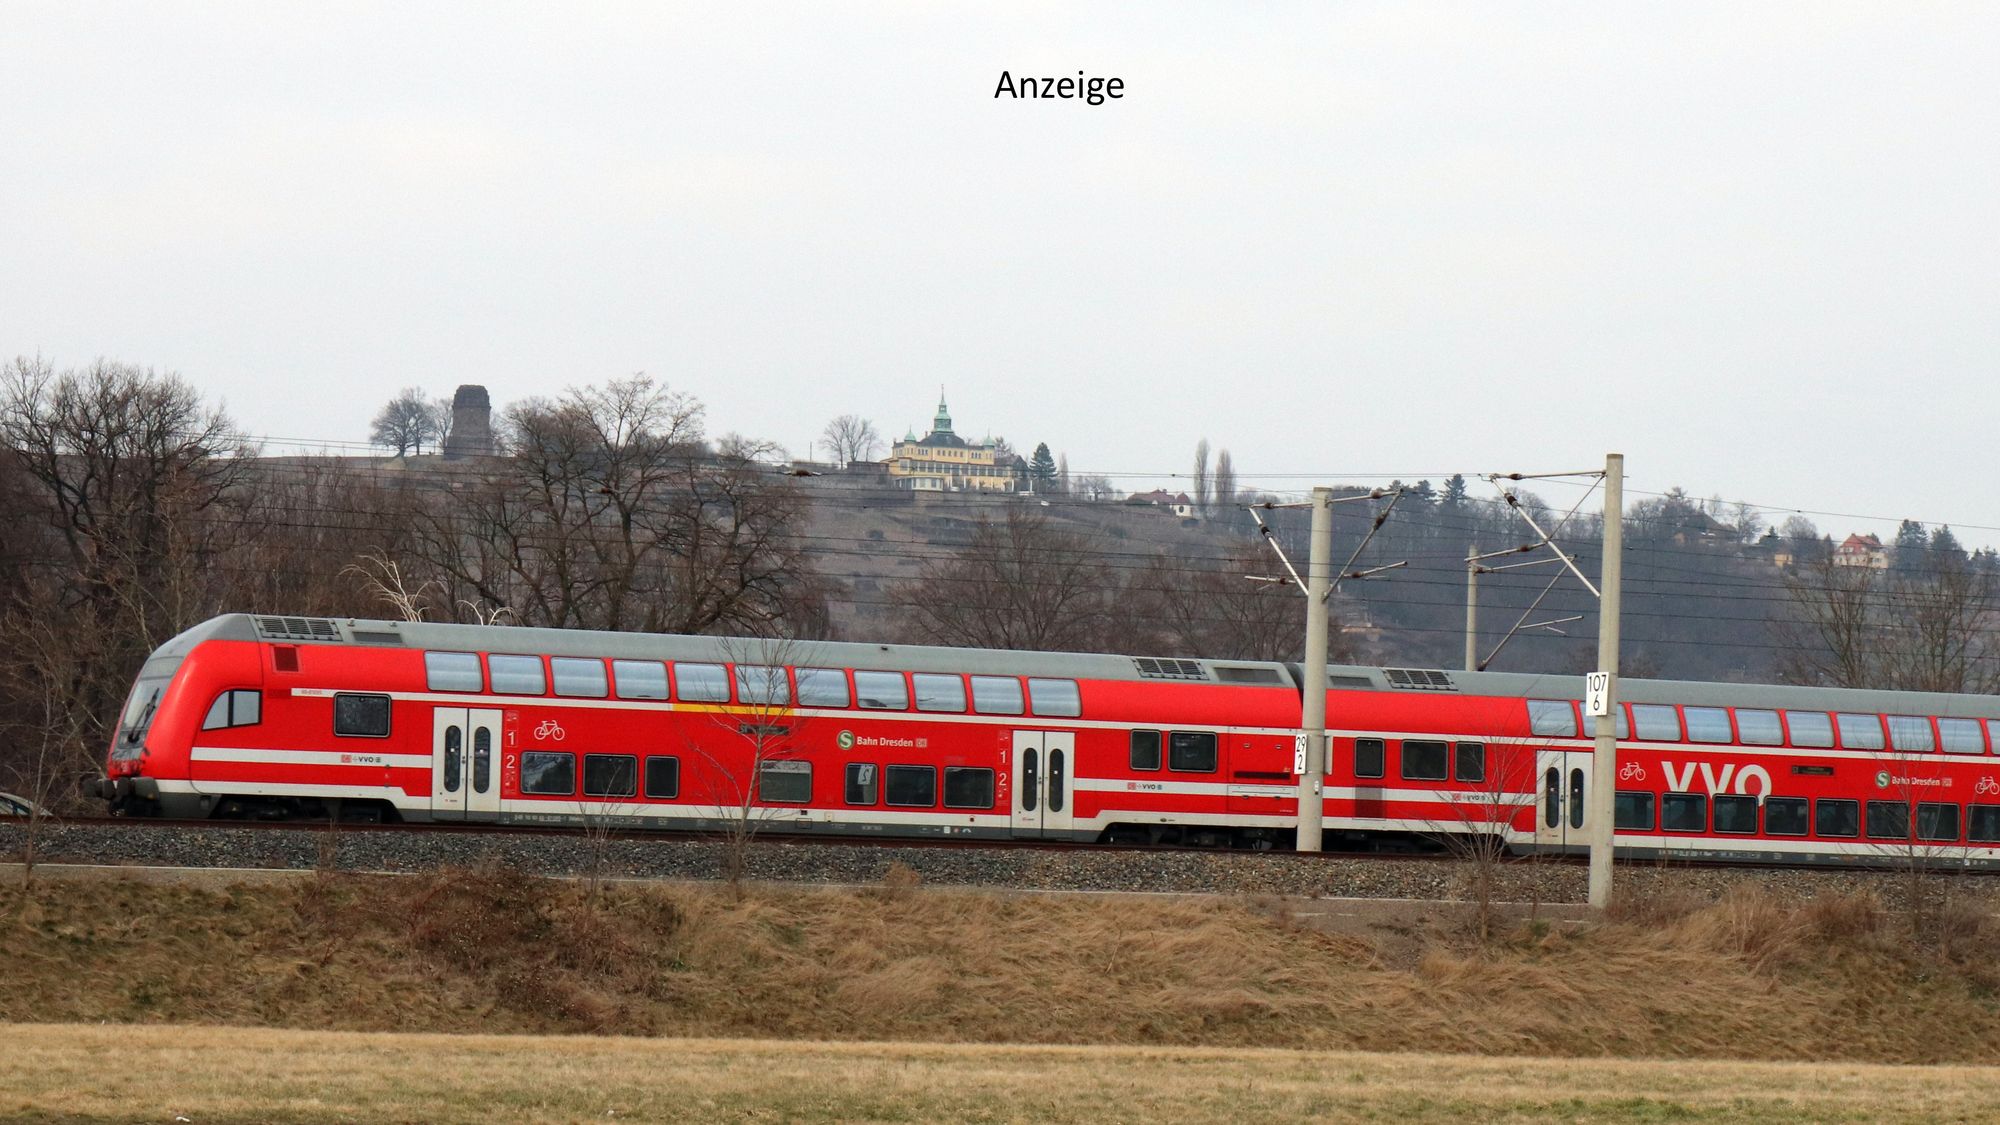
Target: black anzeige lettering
{"type": "Point", "coordinates": [1006, 86]}
{"type": "Point", "coordinates": [1092, 91]}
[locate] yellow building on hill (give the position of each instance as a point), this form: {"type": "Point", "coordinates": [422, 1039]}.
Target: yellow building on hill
{"type": "Point", "coordinates": [941, 461]}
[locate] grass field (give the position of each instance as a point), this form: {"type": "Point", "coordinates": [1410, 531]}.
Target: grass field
{"type": "Point", "coordinates": [219, 1075]}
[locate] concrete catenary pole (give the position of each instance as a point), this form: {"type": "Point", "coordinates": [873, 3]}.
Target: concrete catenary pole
{"type": "Point", "coordinates": [1312, 720]}
{"type": "Point", "coordinates": [1472, 608]}
{"type": "Point", "coordinates": [1601, 804]}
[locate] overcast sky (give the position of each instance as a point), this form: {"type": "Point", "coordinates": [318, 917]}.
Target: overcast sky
{"type": "Point", "coordinates": [1756, 248]}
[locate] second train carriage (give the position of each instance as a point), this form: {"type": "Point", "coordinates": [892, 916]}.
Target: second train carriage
{"type": "Point", "coordinates": [266, 716]}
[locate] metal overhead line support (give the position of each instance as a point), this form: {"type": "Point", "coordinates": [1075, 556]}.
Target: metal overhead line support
{"type": "Point", "coordinates": [1319, 585]}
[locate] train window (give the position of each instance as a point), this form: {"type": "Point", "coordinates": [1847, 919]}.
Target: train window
{"type": "Point", "coordinates": [1552, 797]}
{"type": "Point", "coordinates": [996, 695]}
{"type": "Point", "coordinates": [1736, 816]}
{"type": "Point", "coordinates": [610, 775]}
{"type": "Point", "coordinates": [482, 759]}
{"type": "Point", "coordinates": [1937, 821]}
{"type": "Point", "coordinates": [763, 685]}
{"type": "Point", "coordinates": [861, 783]}
{"type": "Point", "coordinates": [1552, 718]}
{"type": "Point", "coordinates": [1759, 728]}
{"type": "Point", "coordinates": [1993, 733]}
{"type": "Point", "coordinates": [1684, 812]}
{"type": "Point", "coordinates": [234, 709]}
{"type": "Point", "coordinates": [1468, 762]}
{"type": "Point", "coordinates": [1656, 722]}
{"type": "Point", "coordinates": [663, 778]}
{"type": "Point", "coordinates": [1576, 805]}
{"type": "Point", "coordinates": [548, 774]}
{"type": "Point", "coordinates": [910, 786]}
{"type": "Point", "coordinates": [882, 691]}
{"type": "Point", "coordinates": [361, 716]}
{"type": "Point", "coordinates": [1859, 732]}
{"type": "Point", "coordinates": [1836, 818]}
{"type": "Point", "coordinates": [1809, 728]}
{"type": "Point", "coordinates": [939, 692]}
{"type": "Point", "coordinates": [1058, 778]}
{"type": "Point", "coordinates": [701, 683]}
{"type": "Point", "coordinates": [454, 757]}
{"type": "Point", "coordinates": [1633, 812]}
{"type": "Point", "coordinates": [1911, 734]}
{"type": "Point", "coordinates": [1706, 724]}
{"type": "Point", "coordinates": [1785, 816]}
{"type": "Point", "coordinates": [1031, 758]}
{"type": "Point", "coordinates": [967, 787]}
{"type": "Point", "coordinates": [1371, 756]}
{"type": "Point", "coordinates": [1190, 751]}
{"type": "Point", "coordinates": [1982, 823]}
{"type": "Point", "coordinates": [1055, 699]}
{"type": "Point", "coordinates": [1145, 749]}
{"type": "Point", "coordinates": [579, 677]}
{"type": "Point", "coordinates": [1960, 736]}
{"type": "Point", "coordinates": [822, 687]}
{"type": "Point", "coordinates": [1423, 760]}
{"type": "Point", "coordinates": [453, 671]}
{"type": "Point", "coordinates": [516, 675]}
{"type": "Point", "coordinates": [1888, 820]}
{"type": "Point", "coordinates": [640, 679]}
{"type": "Point", "coordinates": [785, 783]}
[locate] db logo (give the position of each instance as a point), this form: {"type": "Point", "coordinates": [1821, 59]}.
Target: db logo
{"type": "Point", "coordinates": [846, 740]}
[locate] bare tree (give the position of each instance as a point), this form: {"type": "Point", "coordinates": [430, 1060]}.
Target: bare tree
{"type": "Point", "coordinates": [406, 423]}
{"type": "Point", "coordinates": [1924, 628]}
{"type": "Point", "coordinates": [1201, 494]}
{"type": "Point", "coordinates": [1020, 583]}
{"type": "Point", "coordinates": [1490, 785]}
{"type": "Point", "coordinates": [1212, 609]}
{"type": "Point", "coordinates": [1225, 482]}
{"type": "Point", "coordinates": [852, 438]}
{"type": "Point", "coordinates": [749, 770]}
{"type": "Point", "coordinates": [1095, 487]}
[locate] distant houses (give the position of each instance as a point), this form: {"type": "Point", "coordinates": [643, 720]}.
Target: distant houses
{"type": "Point", "coordinates": [1861, 551]}
{"type": "Point", "coordinates": [941, 461]}
{"type": "Point", "coordinates": [1177, 502]}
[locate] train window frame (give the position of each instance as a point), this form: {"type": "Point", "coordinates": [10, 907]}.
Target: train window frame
{"type": "Point", "coordinates": [815, 686]}
{"type": "Point", "coordinates": [352, 698]}
{"type": "Point", "coordinates": [507, 672]}
{"type": "Point", "coordinates": [1736, 804]}
{"type": "Point", "coordinates": [1993, 734]}
{"type": "Point", "coordinates": [1671, 803]}
{"type": "Point", "coordinates": [1542, 716]}
{"type": "Point", "coordinates": [1818, 733]}
{"type": "Point", "coordinates": [1855, 727]}
{"type": "Point", "coordinates": [1823, 807]}
{"type": "Point", "coordinates": [1624, 800]}
{"type": "Point", "coordinates": [925, 687]}
{"type": "Point", "coordinates": [1797, 810]}
{"type": "Point", "coordinates": [1982, 816]}
{"type": "Point", "coordinates": [867, 687]}
{"type": "Point", "coordinates": [1935, 809]}
{"type": "Point", "coordinates": [536, 764]}
{"type": "Point", "coordinates": [237, 707]}
{"type": "Point", "coordinates": [1759, 726]}
{"type": "Point", "coordinates": [998, 695]}
{"type": "Point", "coordinates": [1426, 747]}
{"type": "Point", "coordinates": [1188, 746]}
{"type": "Point", "coordinates": [1375, 764]}
{"type": "Point", "coordinates": [1459, 758]}
{"type": "Point", "coordinates": [672, 764]}
{"type": "Point", "coordinates": [611, 761]}
{"type": "Point", "coordinates": [1156, 756]}
{"type": "Point", "coordinates": [699, 681]}
{"type": "Point", "coordinates": [1659, 716]}
{"type": "Point", "coordinates": [762, 685]}
{"type": "Point", "coordinates": [454, 672]}
{"type": "Point", "coordinates": [787, 768]}
{"type": "Point", "coordinates": [1055, 699]}
{"type": "Point", "coordinates": [640, 679]}
{"type": "Point", "coordinates": [1915, 730]}
{"type": "Point", "coordinates": [1952, 743]}
{"type": "Point", "coordinates": [861, 784]}
{"type": "Point", "coordinates": [1700, 723]}
{"type": "Point", "coordinates": [579, 677]}
{"type": "Point", "coordinates": [1890, 812]}
{"type": "Point", "coordinates": [974, 775]}
{"type": "Point", "coordinates": [898, 777]}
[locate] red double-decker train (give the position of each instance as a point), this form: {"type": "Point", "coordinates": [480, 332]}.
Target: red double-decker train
{"type": "Point", "coordinates": [281, 717]}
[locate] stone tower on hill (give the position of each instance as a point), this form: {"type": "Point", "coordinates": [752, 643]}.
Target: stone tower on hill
{"type": "Point", "coordinates": [471, 423]}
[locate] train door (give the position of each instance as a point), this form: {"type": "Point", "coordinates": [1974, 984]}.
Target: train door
{"type": "Point", "coordinates": [1563, 785]}
{"type": "Point", "coordinates": [465, 764]}
{"type": "Point", "coordinates": [1044, 764]}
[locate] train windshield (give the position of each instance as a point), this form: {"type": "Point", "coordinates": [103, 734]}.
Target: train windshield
{"type": "Point", "coordinates": [139, 709]}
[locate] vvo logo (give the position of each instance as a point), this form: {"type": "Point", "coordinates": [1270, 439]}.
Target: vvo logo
{"type": "Point", "coordinates": [1681, 779]}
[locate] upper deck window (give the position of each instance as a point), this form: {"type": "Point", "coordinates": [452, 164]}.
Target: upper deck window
{"type": "Point", "coordinates": [516, 675]}
{"type": "Point", "coordinates": [1809, 728]}
{"type": "Point", "coordinates": [1759, 728]}
{"type": "Point", "coordinates": [1656, 722]}
{"type": "Point", "coordinates": [701, 683]}
{"type": "Point", "coordinates": [882, 691]}
{"type": "Point", "coordinates": [1911, 734]}
{"type": "Point", "coordinates": [1056, 699]}
{"type": "Point", "coordinates": [1552, 718]}
{"type": "Point", "coordinates": [640, 679]}
{"type": "Point", "coordinates": [996, 695]}
{"type": "Point", "coordinates": [582, 678]}
{"type": "Point", "coordinates": [763, 685]}
{"type": "Point", "coordinates": [936, 692]}
{"type": "Point", "coordinates": [453, 671]}
{"type": "Point", "coordinates": [1859, 732]}
{"type": "Point", "coordinates": [822, 687]}
{"type": "Point", "coordinates": [1960, 736]}
{"type": "Point", "coordinates": [1706, 724]}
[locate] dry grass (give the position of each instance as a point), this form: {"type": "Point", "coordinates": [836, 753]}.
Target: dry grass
{"type": "Point", "coordinates": [491, 951]}
{"type": "Point", "coordinates": [221, 1075]}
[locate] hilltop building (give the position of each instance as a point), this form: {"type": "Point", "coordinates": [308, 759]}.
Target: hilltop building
{"type": "Point", "coordinates": [941, 461]}
{"type": "Point", "coordinates": [1861, 550]}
